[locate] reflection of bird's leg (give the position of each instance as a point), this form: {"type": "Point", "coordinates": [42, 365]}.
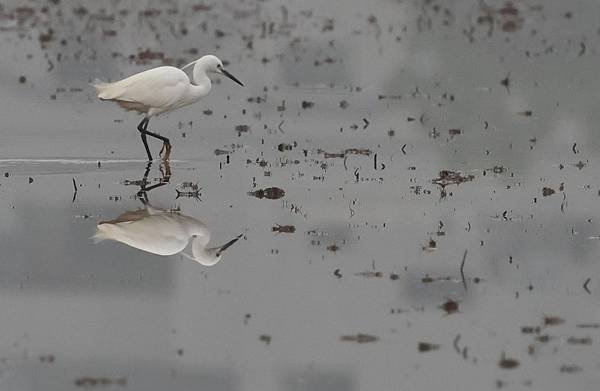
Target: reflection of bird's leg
{"type": "Point", "coordinates": [142, 192]}
{"type": "Point", "coordinates": [144, 188]}
{"type": "Point", "coordinates": [165, 170]}
{"type": "Point", "coordinates": [142, 127]}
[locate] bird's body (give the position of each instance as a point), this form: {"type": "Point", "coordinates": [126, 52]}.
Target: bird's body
{"type": "Point", "coordinates": [161, 232]}
{"type": "Point", "coordinates": [160, 90]}
{"type": "Point", "coordinates": [154, 91]}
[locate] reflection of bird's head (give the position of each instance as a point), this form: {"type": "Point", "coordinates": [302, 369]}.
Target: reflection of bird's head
{"type": "Point", "coordinates": [210, 256]}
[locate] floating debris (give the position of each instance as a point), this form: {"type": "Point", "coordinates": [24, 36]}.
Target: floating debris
{"type": "Point", "coordinates": [570, 368]}
{"type": "Point", "coordinates": [450, 306]}
{"type": "Point", "coordinates": [427, 347]}
{"type": "Point", "coordinates": [48, 358]}
{"type": "Point", "coordinates": [430, 246]}
{"type": "Point", "coordinates": [448, 177]}
{"type": "Point", "coordinates": [265, 338]}
{"type": "Point", "coordinates": [369, 274]}
{"type": "Point", "coordinates": [283, 229]}
{"type": "Point", "coordinates": [530, 330]}
{"type": "Point", "coordinates": [307, 104]}
{"type": "Point", "coordinates": [588, 325]}
{"type": "Point", "coordinates": [579, 340]}
{"type": "Point", "coordinates": [270, 193]}
{"type": "Point", "coordinates": [195, 194]}
{"type": "Point", "coordinates": [547, 191]}
{"type": "Point", "coordinates": [358, 151]}
{"type": "Point", "coordinates": [553, 320]}
{"type": "Point", "coordinates": [286, 147]}
{"type": "Point", "coordinates": [333, 248]}
{"type": "Point", "coordinates": [91, 382]}
{"type": "Point", "coordinates": [242, 129]}
{"type": "Point", "coordinates": [585, 286]}
{"type": "Point", "coordinates": [543, 338]}
{"type": "Point", "coordinates": [359, 338]}
{"type": "Point", "coordinates": [507, 363]}
{"type": "Point", "coordinates": [506, 82]}
{"type": "Point", "coordinates": [427, 279]}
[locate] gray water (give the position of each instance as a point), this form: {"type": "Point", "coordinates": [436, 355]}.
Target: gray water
{"type": "Point", "coordinates": [440, 170]}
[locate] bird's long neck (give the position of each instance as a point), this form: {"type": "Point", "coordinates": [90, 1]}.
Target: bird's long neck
{"type": "Point", "coordinates": [200, 79]}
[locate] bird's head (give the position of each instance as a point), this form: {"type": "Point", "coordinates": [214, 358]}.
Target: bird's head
{"type": "Point", "coordinates": [212, 64]}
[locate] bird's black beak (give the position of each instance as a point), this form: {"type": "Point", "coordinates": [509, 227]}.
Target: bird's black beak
{"type": "Point", "coordinates": [228, 244]}
{"type": "Point", "coordinates": [229, 75]}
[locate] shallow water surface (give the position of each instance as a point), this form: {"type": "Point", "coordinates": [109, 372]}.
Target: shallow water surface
{"type": "Point", "coordinates": [415, 184]}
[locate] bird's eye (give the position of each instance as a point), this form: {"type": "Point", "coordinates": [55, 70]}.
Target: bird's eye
{"type": "Point", "coordinates": [219, 66]}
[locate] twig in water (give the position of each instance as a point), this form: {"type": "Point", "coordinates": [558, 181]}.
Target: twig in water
{"type": "Point", "coordinates": [585, 286]}
{"type": "Point", "coordinates": [75, 191]}
{"type": "Point", "coordinates": [462, 267]}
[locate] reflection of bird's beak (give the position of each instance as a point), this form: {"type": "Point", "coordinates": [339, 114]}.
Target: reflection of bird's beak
{"type": "Point", "coordinates": [228, 244]}
{"type": "Point", "coordinates": [229, 75]}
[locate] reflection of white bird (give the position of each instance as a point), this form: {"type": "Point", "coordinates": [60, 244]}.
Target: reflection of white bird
{"type": "Point", "coordinates": [162, 89]}
{"type": "Point", "coordinates": [162, 232]}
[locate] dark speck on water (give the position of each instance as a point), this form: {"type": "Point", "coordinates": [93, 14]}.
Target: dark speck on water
{"type": "Point", "coordinates": [553, 320]}
{"type": "Point", "coordinates": [333, 248]}
{"type": "Point", "coordinates": [447, 177]}
{"type": "Point", "coordinates": [359, 338]}
{"type": "Point", "coordinates": [307, 104]}
{"type": "Point", "coordinates": [427, 347]}
{"type": "Point", "coordinates": [450, 306]}
{"type": "Point", "coordinates": [569, 368]}
{"type": "Point", "coordinates": [547, 191]}
{"type": "Point", "coordinates": [242, 129]}
{"type": "Point", "coordinates": [270, 193]}
{"type": "Point", "coordinates": [579, 340]}
{"type": "Point", "coordinates": [283, 228]}
{"type": "Point", "coordinates": [93, 382]}
{"type": "Point", "coordinates": [507, 362]}
{"type": "Point", "coordinates": [370, 274]}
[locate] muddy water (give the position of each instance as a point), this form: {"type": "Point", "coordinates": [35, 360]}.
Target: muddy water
{"type": "Point", "coordinates": [416, 184]}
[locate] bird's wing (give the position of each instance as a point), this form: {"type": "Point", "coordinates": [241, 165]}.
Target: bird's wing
{"type": "Point", "coordinates": [128, 216]}
{"type": "Point", "coordinates": [158, 87]}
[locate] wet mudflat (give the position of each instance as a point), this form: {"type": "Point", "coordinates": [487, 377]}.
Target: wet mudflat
{"type": "Point", "coordinates": [416, 185]}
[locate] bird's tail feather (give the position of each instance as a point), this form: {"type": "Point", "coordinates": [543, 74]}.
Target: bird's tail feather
{"type": "Point", "coordinates": [103, 89]}
{"type": "Point", "coordinates": [103, 232]}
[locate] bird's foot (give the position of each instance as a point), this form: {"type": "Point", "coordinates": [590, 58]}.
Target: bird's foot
{"type": "Point", "coordinates": [166, 148]}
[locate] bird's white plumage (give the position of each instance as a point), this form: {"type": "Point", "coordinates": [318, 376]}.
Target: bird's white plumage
{"type": "Point", "coordinates": [159, 89]}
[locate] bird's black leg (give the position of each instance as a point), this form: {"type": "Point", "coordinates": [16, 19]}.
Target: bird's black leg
{"type": "Point", "coordinates": [142, 129]}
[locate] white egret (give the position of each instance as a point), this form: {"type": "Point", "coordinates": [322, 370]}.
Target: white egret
{"type": "Point", "coordinates": [162, 232]}
{"type": "Point", "coordinates": [160, 90]}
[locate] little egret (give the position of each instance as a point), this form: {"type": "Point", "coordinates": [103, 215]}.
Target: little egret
{"type": "Point", "coordinates": [160, 90]}
{"type": "Point", "coordinates": [162, 232]}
